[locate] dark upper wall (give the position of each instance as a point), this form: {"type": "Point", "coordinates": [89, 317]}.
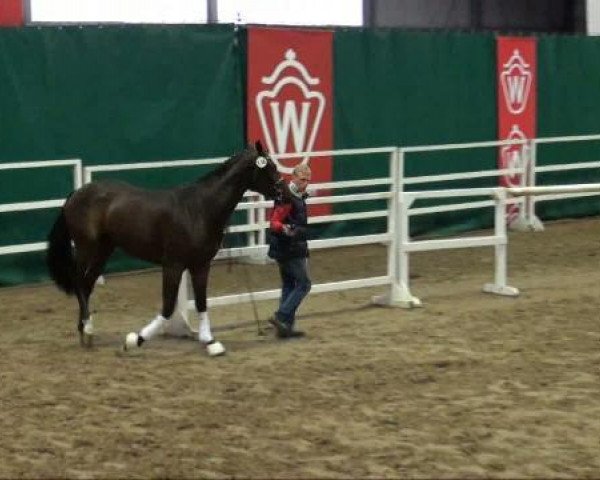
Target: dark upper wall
{"type": "Point", "coordinates": [418, 13]}
{"type": "Point", "coordinates": [558, 16]}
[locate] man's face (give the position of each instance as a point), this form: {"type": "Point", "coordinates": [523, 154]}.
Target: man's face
{"type": "Point", "coordinates": [301, 180]}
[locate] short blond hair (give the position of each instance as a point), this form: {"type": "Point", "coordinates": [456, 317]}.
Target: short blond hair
{"type": "Point", "coordinates": [301, 168]}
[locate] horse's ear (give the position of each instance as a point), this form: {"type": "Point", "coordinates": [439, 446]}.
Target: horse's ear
{"type": "Point", "coordinates": [259, 148]}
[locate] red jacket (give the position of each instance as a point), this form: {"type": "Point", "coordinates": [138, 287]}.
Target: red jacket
{"type": "Point", "coordinates": [279, 216]}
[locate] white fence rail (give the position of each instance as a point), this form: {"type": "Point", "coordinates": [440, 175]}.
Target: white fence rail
{"type": "Point", "coordinates": [535, 169]}
{"type": "Point", "coordinates": [388, 186]}
{"type": "Point", "coordinates": [77, 173]}
{"type": "Point", "coordinates": [399, 213]}
{"type": "Point", "coordinates": [392, 188]}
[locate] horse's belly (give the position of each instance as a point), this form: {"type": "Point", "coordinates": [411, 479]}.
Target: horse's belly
{"type": "Point", "coordinates": [136, 232]}
{"type": "Point", "coordinates": [142, 250]}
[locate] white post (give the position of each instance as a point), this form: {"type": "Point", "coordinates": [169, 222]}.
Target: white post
{"type": "Point", "coordinates": [251, 220]}
{"type": "Point", "coordinates": [262, 218]}
{"type": "Point", "coordinates": [78, 175]}
{"type": "Point", "coordinates": [520, 223]}
{"type": "Point", "coordinates": [403, 297]}
{"type": "Point", "coordinates": [523, 179]}
{"type": "Point", "coordinates": [500, 233]}
{"type": "Point", "coordinates": [398, 261]}
{"type": "Point", "coordinates": [499, 287]}
{"type": "Point", "coordinates": [533, 222]}
{"type": "Point", "coordinates": [257, 215]}
{"type": "Point", "coordinates": [392, 245]}
{"type": "Point", "coordinates": [392, 250]}
{"type": "Point", "coordinates": [398, 296]}
{"type": "Point", "coordinates": [87, 175]}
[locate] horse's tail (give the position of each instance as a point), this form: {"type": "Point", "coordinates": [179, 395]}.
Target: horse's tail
{"type": "Point", "coordinates": [59, 255]}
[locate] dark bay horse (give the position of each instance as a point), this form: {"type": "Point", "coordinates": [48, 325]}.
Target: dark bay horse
{"type": "Point", "coordinates": [180, 228]}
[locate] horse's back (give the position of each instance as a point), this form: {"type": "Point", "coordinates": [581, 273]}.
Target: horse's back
{"type": "Point", "coordinates": [109, 189]}
{"type": "Point", "coordinates": [129, 217]}
{"type": "Point", "coordinates": [95, 200]}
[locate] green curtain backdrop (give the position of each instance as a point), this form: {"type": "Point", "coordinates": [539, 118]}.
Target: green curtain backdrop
{"type": "Point", "coordinates": [121, 94]}
{"type": "Point", "coordinates": [109, 94]}
{"type": "Point", "coordinates": [394, 87]}
{"type": "Point", "coordinates": [569, 104]}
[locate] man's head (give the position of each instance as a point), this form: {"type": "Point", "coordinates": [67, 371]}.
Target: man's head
{"type": "Point", "coordinates": [301, 177]}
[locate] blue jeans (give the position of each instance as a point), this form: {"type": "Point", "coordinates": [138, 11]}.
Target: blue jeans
{"type": "Point", "coordinates": [295, 286]}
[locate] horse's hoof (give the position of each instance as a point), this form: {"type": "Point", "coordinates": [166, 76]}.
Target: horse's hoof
{"type": "Point", "coordinates": [86, 334]}
{"type": "Point", "coordinates": [86, 340]}
{"type": "Point", "coordinates": [131, 341]}
{"type": "Point", "coordinates": [215, 349]}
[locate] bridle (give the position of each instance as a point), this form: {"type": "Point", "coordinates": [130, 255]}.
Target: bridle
{"type": "Point", "coordinates": [279, 184]}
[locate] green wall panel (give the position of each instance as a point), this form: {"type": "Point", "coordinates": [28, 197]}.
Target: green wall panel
{"type": "Point", "coordinates": [120, 94]}
{"type": "Point", "coordinates": [569, 104]}
{"type": "Point", "coordinates": [409, 88]}
{"type": "Point", "coordinates": [394, 87]}
{"type": "Point", "coordinates": [111, 94]}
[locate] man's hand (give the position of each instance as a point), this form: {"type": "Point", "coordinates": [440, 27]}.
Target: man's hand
{"type": "Point", "coordinates": [293, 231]}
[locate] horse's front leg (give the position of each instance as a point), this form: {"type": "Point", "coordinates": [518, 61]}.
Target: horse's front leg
{"type": "Point", "coordinates": [171, 279]}
{"type": "Point", "coordinates": [199, 284]}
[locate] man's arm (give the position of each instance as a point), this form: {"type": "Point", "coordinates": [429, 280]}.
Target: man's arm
{"type": "Point", "coordinates": [278, 216]}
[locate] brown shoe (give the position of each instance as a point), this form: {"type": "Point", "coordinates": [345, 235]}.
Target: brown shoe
{"type": "Point", "coordinates": [281, 328]}
{"type": "Point", "coordinates": [290, 334]}
{"type": "Point", "coordinates": [296, 334]}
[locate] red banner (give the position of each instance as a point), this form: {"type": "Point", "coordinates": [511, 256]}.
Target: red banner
{"type": "Point", "coordinates": [11, 13]}
{"type": "Point", "coordinates": [290, 103]}
{"type": "Point", "coordinates": [517, 103]}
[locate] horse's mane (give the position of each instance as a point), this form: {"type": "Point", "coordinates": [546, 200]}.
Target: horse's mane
{"type": "Point", "coordinates": [222, 169]}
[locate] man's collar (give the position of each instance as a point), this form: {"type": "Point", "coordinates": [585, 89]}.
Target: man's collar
{"type": "Point", "coordinates": [301, 195]}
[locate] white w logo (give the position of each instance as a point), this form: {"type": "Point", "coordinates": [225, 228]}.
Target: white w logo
{"type": "Point", "coordinates": [516, 88]}
{"type": "Point", "coordinates": [290, 123]}
{"type": "Point", "coordinates": [516, 82]}
{"type": "Point", "coordinates": [302, 125]}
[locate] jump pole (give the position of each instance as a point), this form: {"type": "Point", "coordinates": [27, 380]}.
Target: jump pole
{"type": "Point", "coordinates": [546, 189]}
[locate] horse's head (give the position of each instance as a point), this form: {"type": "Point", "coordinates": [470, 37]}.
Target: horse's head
{"type": "Point", "coordinates": [265, 178]}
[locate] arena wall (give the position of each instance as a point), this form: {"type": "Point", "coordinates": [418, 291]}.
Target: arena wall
{"type": "Point", "coordinates": [120, 94]}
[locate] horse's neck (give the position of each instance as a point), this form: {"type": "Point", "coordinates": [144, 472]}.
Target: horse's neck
{"type": "Point", "coordinates": [224, 194]}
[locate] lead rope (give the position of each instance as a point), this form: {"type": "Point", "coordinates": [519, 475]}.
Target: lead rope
{"type": "Point", "coordinates": [230, 262]}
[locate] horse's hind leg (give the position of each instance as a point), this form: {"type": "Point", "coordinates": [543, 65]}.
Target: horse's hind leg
{"type": "Point", "coordinates": [200, 283]}
{"type": "Point", "coordinates": [90, 264]}
{"type": "Point", "coordinates": [171, 279]}
{"type": "Point", "coordinates": [83, 300]}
